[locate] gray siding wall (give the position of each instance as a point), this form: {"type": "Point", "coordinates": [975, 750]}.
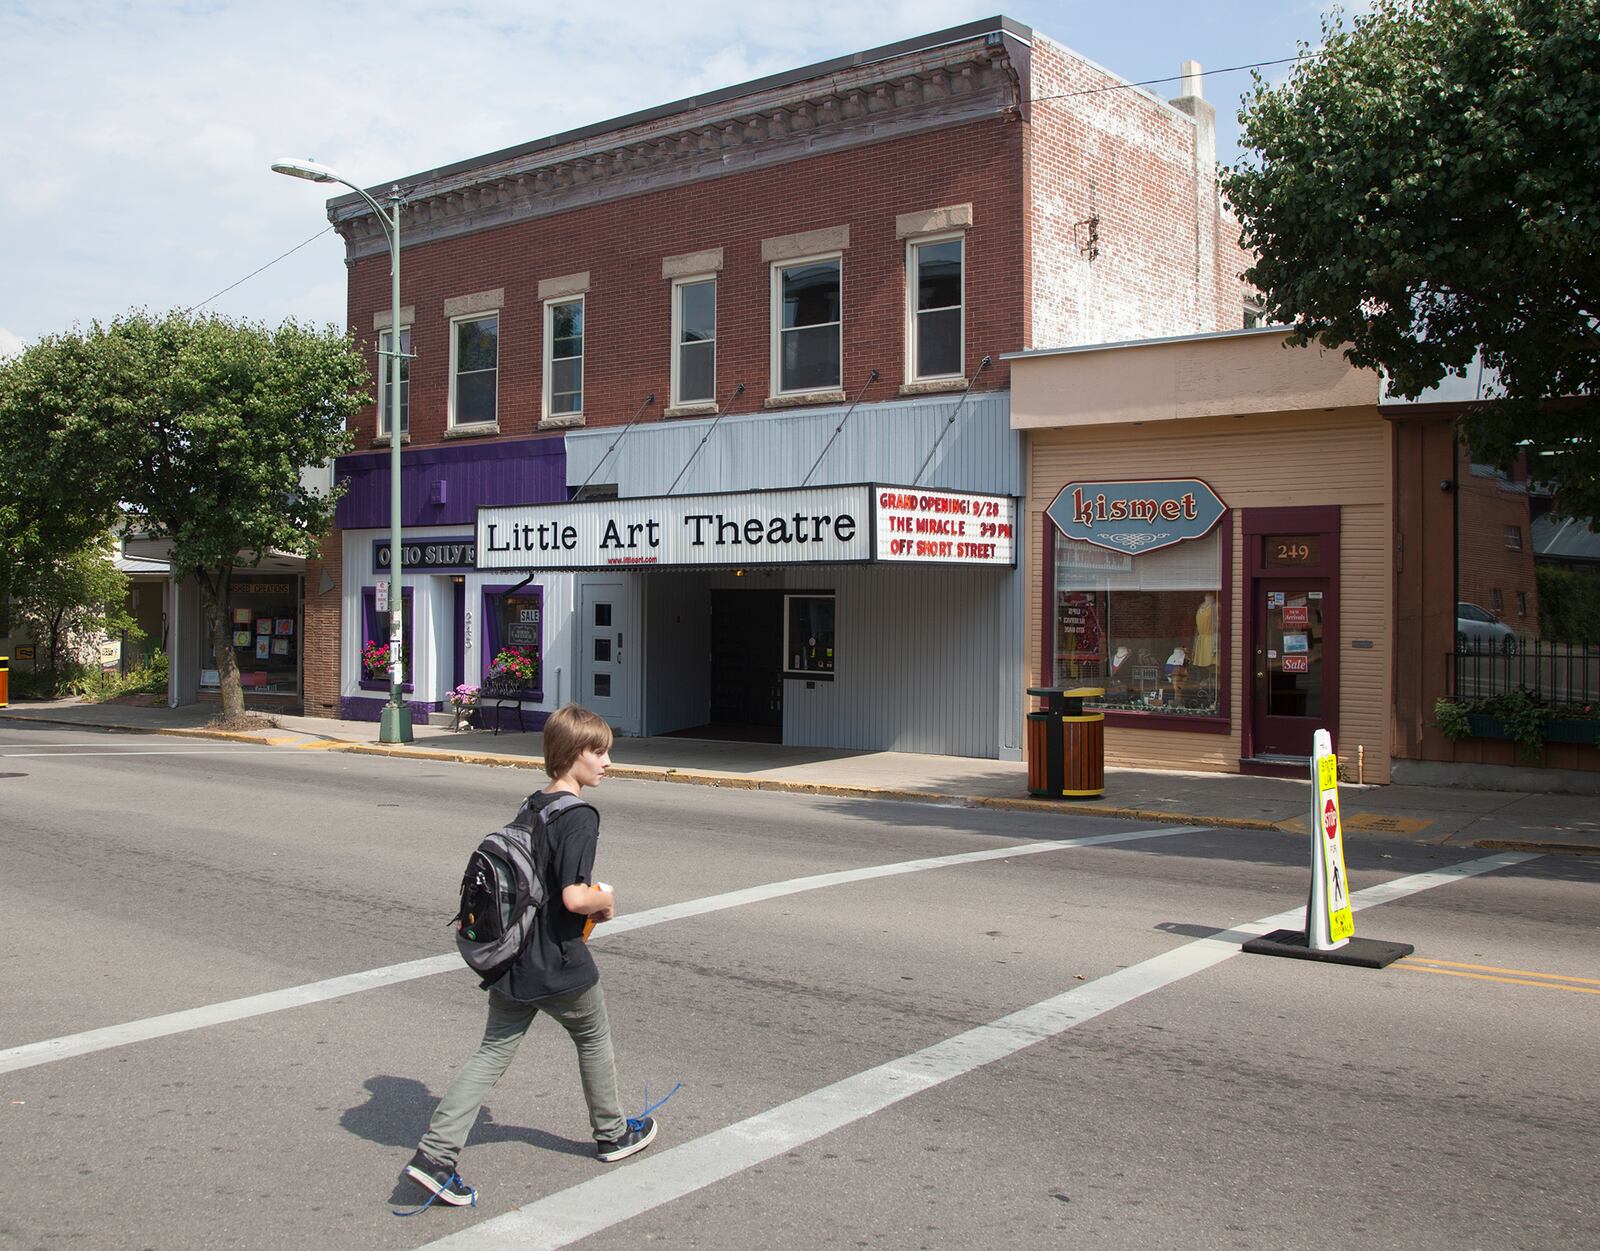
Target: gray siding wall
{"type": "Point", "coordinates": [928, 661]}
{"type": "Point", "coordinates": [755, 451]}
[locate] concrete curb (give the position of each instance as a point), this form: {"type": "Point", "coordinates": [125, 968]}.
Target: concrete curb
{"type": "Point", "coordinates": [690, 777]}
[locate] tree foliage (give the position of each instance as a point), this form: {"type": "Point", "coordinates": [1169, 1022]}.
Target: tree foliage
{"type": "Point", "coordinates": [1428, 185]}
{"type": "Point", "coordinates": [68, 603]}
{"type": "Point", "coordinates": [196, 428]}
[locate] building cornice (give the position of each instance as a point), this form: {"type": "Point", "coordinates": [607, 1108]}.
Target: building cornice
{"type": "Point", "coordinates": [927, 89]}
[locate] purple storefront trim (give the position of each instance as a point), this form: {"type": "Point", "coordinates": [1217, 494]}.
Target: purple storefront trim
{"type": "Point", "coordinates": [352, 709]}
{"type": "Point", "coordinates": [506, 471]}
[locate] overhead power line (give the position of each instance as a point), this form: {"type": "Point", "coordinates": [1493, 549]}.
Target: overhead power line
{"type": "Point", "coordinates": [1153, 82]}
{"type": "Point", "coordinates": [254, 272]}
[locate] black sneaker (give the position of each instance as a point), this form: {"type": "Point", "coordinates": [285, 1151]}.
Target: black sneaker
{"type": "Point", "coordinates": [639, 1135]}
{"type": "Point", "coordinates": [440, 1180]}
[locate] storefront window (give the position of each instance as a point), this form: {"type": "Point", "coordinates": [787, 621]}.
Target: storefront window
{"type": "Point", "coordinates": [264, 621]}
{"type": "Point", "coordinates": [514, 637]}
{"type": "Point", "coordinates": [808, 636]}
{"type": "Point", "coordinates": [375, 641]}
{"type": "Point", "coordinates": [1144, 628]}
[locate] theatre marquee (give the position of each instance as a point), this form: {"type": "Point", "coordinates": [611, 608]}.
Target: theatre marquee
{"type": "Point", "coordinates": [814, 526]}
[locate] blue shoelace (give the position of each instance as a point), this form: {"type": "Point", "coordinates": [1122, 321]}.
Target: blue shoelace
{"type": "Point", "coordinates": [637, 1122]}
{"type": "Point", "coordinates": [434, 1197]}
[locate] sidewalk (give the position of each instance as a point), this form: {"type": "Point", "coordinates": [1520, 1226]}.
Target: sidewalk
{"type": "Point", "coordinates": [1500, 820]}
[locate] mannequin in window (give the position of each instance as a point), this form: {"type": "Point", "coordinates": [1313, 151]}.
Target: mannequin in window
{"type": "Point", "coordinates": [1204, 653]}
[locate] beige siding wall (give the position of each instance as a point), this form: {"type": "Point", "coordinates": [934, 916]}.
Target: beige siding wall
{"type": "Point", "coordinates": [1279, 460]}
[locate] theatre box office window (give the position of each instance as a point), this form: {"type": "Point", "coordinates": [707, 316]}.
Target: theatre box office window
{"type": "Point", "coordinates": [1135, 595]}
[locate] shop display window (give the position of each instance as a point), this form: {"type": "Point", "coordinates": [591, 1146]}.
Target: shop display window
{"type": "Point", "coordinates": [808, 636]}
{"type": "Point", "coordinates": [514, 637]}
{"type": "Point", "coordinates": [375, 641]}
{"type": "Point", "coordinates": [264, 625]}
{"type": "Point", "coordinates": [1145, 628]}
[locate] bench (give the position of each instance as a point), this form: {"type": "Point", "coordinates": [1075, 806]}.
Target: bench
{"type": "Point", "coordinates": [499, 691]}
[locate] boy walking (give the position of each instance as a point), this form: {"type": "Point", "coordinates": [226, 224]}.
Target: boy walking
{"type": "Point", "coordinates": [554, 974]}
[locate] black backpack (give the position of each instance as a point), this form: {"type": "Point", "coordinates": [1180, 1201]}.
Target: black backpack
{"type": "Point", "coordinates": [504, 888]}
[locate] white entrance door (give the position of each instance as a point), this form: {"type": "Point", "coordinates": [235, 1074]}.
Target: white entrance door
{"type": "Point", "coordinates": [605, 652]}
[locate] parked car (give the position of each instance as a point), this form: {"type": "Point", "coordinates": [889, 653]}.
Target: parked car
{"type": "Point", "coordinates": [1479, 630]}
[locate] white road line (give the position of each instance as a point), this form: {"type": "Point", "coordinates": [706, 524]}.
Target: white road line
{"type": "Point", "coordinates": [29, 1055]}
{"type": "Point", "coordinates": [144, 751]}
{"type": "Point", "coordinates": [585, 1209]}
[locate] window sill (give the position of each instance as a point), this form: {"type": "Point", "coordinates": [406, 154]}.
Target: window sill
{"type": "Point", "coordinates": [1197, 723]}
{"type": "Point", "coordinates": [702, 408]}
{"type": "Point", "coordinates": [382, 440]}
{"type": "Point", "coordinates": [475, 431]}
{"type": "Point", "coordinates": [934, 386]}
{"type": "Point", "coordinates": [797, 398]}
{"type": "Point", "coordinates": [567, 421]}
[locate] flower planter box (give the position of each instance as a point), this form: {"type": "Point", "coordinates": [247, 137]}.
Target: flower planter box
{"type": "Point", "coordinates": [1563, 730]}
{"type": "Point", "coordinates": [1573, 730]}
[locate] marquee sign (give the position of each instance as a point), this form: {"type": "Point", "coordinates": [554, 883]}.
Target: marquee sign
{"type": "Point", "coordinates": [818, 525]}
{"type": "Point", "coordinates": [1136, 517]}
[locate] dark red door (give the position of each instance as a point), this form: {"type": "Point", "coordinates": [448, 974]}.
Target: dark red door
{"type": "Point", "coordinates": [1295, 693]}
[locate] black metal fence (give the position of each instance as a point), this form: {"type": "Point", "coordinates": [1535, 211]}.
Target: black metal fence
{"type": "Point", "coordinates": [1558, 674]}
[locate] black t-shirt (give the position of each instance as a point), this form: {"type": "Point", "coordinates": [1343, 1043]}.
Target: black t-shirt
{"type": "Point", "coordinates": [556, 960]}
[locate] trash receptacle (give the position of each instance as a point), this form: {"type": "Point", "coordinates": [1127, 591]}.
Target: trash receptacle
{"type": "Point", "coordinates": [1066, 745]}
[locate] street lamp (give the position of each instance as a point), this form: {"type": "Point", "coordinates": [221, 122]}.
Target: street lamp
{"type": "Point", "coordinates": [395, 724]}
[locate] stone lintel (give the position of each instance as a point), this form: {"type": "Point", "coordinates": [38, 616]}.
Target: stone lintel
{"type": "Point", "coordinates": [477, 302]}
{"type": "Point", "coordinates": [806, 243]}
{"type": "Point", "coordinates": [933, 221]}
{"type": "Point", "coordinates": [689, 264]}
{"type": "Point", "coordinates": [567, 284]}
{"type": "Point", "coordinates": [408, 316]}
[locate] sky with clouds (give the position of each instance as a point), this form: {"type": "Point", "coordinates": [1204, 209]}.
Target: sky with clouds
{"type": "Point", "coordinates": [136, 137]}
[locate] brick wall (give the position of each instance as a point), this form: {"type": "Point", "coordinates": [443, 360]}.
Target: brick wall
{"type": "Point", "coordinates": [627, 312]}
{"type": "Point", "coordinates": [320, 630]}
{"type": "Point", "coordinates": [1168, 257]}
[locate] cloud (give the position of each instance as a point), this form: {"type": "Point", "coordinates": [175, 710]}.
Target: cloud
{"type": "Point", "coordinates": [10, 344]}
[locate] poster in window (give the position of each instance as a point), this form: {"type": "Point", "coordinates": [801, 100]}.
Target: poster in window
{"type": "Point", "coordinates": [1080, 626]}
{"type": "Point", "coordinates": [280, 647]}
{"type": "Point", "coordinates": [241, 617]}
{"type": "Point", "coordinates": [283, 626]}
{"type": "Point", "coordinates": [263, 647]}
{"type": "Point", "coordinates": [1296, 643]}
{"type": "Point", "coordinates": [263, 625]}
{"type": "Point", "coordinates": [241, 638]}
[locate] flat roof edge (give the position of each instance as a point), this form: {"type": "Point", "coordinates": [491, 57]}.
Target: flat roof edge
{"type": "Point", "coordinates": [1198, 337]}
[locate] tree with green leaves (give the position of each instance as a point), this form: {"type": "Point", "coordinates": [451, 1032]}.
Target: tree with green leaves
{"type": "Point", "coordinates": [70, 602]}
{"type": "Point", "coordinates": [194, 428]}
{"type": "Point", "coordinates": [1426, 187]}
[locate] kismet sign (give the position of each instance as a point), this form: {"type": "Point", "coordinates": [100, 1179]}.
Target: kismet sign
{"type": "Point", "coordinates": [1136, 517]}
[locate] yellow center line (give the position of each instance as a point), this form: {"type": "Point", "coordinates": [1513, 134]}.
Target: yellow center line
{"type": "Point", "coordinates": [1491, 968]}
{"type": "Point", "coordinates": [1485, 977]}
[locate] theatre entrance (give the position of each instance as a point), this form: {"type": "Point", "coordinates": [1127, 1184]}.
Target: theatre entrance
{"type": "Point", "coordinates": [746, 666]}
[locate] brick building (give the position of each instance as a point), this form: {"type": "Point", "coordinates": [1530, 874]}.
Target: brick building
{"type": "Point", "coordinates": [706, 408]}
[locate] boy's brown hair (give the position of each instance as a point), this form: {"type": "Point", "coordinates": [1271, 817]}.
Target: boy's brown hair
{"type": "Point", "coordinates": [569, 732]}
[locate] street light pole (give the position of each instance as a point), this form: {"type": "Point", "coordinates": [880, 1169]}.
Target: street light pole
{"type": "Point", "coordinates": [395, 723]}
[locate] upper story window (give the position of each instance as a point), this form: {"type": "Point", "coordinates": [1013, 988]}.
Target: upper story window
{"type": "Point", "coordinates": [807, 325]}
{"type": "Point", "coordinates": [385, 365]}
{"type": "Point", "coordinates": [934, 284]}
{"type": "Point", "coordinates": [1514, 538]}
{"type": "Point", "coordinates": [474, 370]}
{"type": "Point", "coordinates": [563, 357]}
{"type": "Point", "coordinates": [694, 340]}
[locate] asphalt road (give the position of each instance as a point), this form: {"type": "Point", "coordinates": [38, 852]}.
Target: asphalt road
{"type": "Point", "coordinates": [1024, 1045]}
